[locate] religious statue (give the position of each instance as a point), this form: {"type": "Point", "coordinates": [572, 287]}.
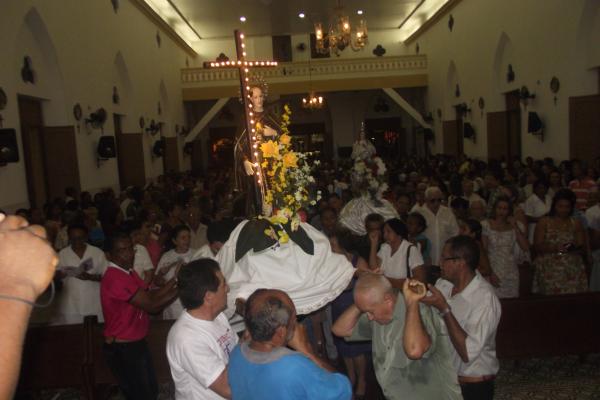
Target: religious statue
{"type": "Point", "coordinates": [368, 185]}
{"type": "Point", "coordinates": [266, 126]}
{"type": "Point", "coordinates": [275, 247]}
{"type": "Point", "coordinates": [362, 149]}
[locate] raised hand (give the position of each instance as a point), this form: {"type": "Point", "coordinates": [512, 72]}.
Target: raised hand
{"type": "Point", "coordinates": [25, 277]}
{"type": "Point", "coordinates": [413, 291]}
{"type": "Point", "coordinates": [435, 299]}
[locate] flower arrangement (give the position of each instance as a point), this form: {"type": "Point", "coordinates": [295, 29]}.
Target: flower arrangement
{"type": "Point", "coordinates": [369, 177]}
{"type": "Point", "coordinates": [287, 177]}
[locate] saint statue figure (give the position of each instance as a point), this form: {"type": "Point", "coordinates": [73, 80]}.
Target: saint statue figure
{"type": "Point", "coordinates": [267, 128]}
{"type": "Point", "coordinates": [362, 149]}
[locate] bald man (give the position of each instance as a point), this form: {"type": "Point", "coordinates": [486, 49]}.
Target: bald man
{"type": "Point", "coordinates": [264, 368]}
{"type": "Point", "coordinates": [411, 355]}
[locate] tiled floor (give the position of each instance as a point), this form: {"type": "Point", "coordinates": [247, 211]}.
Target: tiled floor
{"type": "Point", "coordinates": [558, 378]}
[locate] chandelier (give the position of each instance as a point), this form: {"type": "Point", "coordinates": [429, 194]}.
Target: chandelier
{"type": "Point", "coordinates": [340, 35]}
{"type": "Point", "coordinates": [312, 102]}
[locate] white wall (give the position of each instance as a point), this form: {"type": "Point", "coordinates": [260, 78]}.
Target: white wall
{"type": "Point", "coordinates": [540, 38]}
{"type": "Point", "coordinates": [80, 50]}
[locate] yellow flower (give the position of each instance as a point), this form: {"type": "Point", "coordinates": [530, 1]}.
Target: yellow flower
{"type": "Point", "coordinates": [269, 149]}
{"type": "Point", "coordinates": [285, 139]}
{"type": "Point", "coordinates": [259, 126]}
{"type": "Point", "coordinates": [290, 160]}
{"type": "Point", "coordinates": [283, 237]}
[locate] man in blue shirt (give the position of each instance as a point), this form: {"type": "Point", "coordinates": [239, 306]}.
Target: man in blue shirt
{"type": "Point", "coordinates": [264, 368]}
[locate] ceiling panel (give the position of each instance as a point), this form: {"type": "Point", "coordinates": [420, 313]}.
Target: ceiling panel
{"type": "Point", "coordinates": [218, 18]}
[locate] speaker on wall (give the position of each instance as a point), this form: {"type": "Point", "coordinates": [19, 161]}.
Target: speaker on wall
{"type": "Point", "coordinates": [158, 149]}
{"type": "Point", "coordinates": [468, 131]}
{"type": "Point", "coordinates": [534, 123]}
{"type": "Point", "coordinates": [9, 152]}
{"type": "Point", "coordinates": [106, 147]}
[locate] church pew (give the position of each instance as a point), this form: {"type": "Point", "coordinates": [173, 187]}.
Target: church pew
{"type": "Point", "coordinates": [53, 357]}
{"type": "Point", "coordinates": [545, 326]}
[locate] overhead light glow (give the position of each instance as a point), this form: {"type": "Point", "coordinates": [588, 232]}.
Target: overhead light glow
{"type": "Point", "coordinates": [360, 12]}
{"type": "Point", "coordinates": [301, 15]}
{"type": "Point", "coordinates": [243, 19]}
{"type": "Point", "coordinates": [171, 16]}
{"type": "Point", "coordinates": [422, 14]}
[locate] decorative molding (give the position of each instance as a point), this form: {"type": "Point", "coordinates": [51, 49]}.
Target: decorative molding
{"type": "Point", "coordinates": [336, 68]}
{"type": "Point", "coordinates": [163, 26]}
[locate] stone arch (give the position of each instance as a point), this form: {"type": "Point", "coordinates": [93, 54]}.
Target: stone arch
{"type": "Point", "coordinates": [122, 80]}
{"type": "Point", "coordinates": [503, 56]}
{"type": "Point", "coordinates": [588, 32]}
{"type": "Point", "coordinates": [33, 40]}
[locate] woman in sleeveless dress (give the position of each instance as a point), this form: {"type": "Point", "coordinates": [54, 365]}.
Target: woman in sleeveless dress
{"type": "Point", "coordinates": [501, 234]}
{"type": "Point", "coordinates": [559, 241]}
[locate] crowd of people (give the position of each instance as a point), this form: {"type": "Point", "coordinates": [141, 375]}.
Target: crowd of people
{"type": "Point", "coordinates": [490, 230]}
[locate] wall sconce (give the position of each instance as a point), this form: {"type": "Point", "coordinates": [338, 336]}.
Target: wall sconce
{"type": "Point", "coordinates": [525, 95]}
{"type": "Point", "coordinates": [462, 109]}
{"type": "Point", "coordinates": [154, 127]}
{"type": "Point", "coordinates": [96, 119]}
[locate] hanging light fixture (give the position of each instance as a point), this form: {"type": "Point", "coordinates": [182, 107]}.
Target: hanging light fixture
{"type": "Point", "coordinates": [312, 101]}
{"type": "Point", "coordinates": [340, 35]}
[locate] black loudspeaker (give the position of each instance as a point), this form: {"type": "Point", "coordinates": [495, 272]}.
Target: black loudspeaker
{"type": "Point", "coordinates": [106, 147]}
{"type": "Point", "coordinates": [468, 131]}
{"type": "Point", "coordinates": [428, 133]}
{"type": "Point", "coordinates": [9, 152]}
{"type": "Point", "coordinates": [344, 151]}
{"type": "Point", "coordinates": [534, 123]}
{"type": "Point", "coordinates": [158, 149]}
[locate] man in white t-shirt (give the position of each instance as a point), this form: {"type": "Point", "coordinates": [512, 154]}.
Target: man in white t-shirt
{"type": "Point", "coordinates": [200, 341]}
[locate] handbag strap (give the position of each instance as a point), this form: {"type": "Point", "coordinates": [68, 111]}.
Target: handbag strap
{"type": "Point", "coordinates": [408, 272]}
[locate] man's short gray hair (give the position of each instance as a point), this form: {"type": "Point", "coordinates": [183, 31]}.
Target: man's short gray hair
{"type": "Point", "coordinates": [264, 314]}
{"type": "Point", "coordinates": [374, 286]}
{"type": "Point", "coordinates": [431, 191]}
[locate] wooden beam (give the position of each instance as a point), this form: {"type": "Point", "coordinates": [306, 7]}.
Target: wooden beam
{"type": "Point", "coordinates": [206, 119]}
{"type": "Point", "coordinates": [410, 110]}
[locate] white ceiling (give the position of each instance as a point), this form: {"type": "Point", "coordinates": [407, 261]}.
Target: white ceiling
{"type": "Point", "coordinates": [218, 18]}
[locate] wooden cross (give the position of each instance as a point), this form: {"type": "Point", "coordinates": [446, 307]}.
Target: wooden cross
{"type": "Point", "coordinates": [243, 66]}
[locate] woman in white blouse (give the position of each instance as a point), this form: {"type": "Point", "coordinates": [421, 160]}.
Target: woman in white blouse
{"type": "Point", "coordinates": [397, 258]}
{"type": "Point", "coordinates": [180, 254]}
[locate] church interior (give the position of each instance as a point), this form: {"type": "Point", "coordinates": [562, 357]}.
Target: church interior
{"type": "Point", "coordinates": [143, 103]}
